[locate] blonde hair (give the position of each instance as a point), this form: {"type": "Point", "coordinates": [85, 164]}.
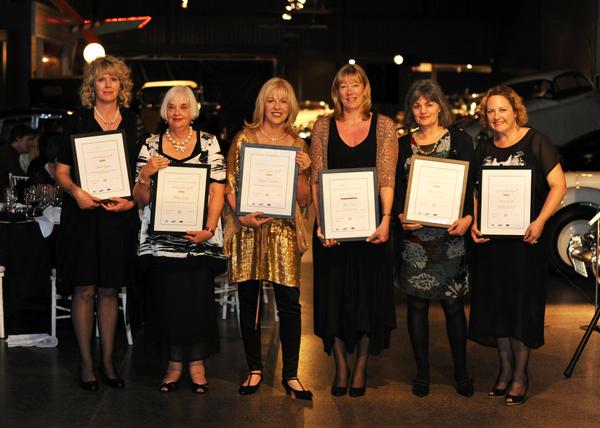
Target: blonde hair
{"type": "Point", "coordinates": [432, 92]}
{"type": "Point", "coordinates": [275, 84]}
{"type": "Point", "coordinates": [351, 71]}
{"type": "Point", "coordinates": [183, 91]}
{"type": "Point", "coordinates": [511, 96]}
{"type": "Point", "coordinates": [111, 65]}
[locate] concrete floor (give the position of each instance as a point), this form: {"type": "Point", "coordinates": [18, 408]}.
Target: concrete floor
{"type": "Point", "coordinates": [38, 386]}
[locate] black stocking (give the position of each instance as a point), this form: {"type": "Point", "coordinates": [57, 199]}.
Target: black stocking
{"type": "Point", "coordinates": [456, 328]}
{"type": "Point", "coordinates": [82, 315]}
{"type": "Point", "coordinates": [506, 358]}
{"type": "Point", "coordinates": [108, 315]}
{"type": "Point", "coordinates": [418, 330]}
{"type": "Point", "coordinates": [341, 363]}
{"type": "Point", "coordinates": [359, 377]}
{"type": "Point", "coordinates": [521, 356]}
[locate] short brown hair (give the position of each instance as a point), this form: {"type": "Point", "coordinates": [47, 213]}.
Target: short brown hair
{"type": "Point", "coordinates": [357, 72]}
{"type": "Point", "coordinates": [513, 98]}
{"type": "Point", "coordinates": [431, 91]}
{"type": "Point", "coordinates": [106, 64]}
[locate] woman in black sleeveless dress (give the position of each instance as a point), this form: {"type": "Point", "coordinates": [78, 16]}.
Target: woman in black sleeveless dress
{"type": "Point", "coordinates": [353, 290]}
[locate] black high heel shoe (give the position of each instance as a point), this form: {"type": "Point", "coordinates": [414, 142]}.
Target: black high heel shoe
{"type": "Point", "coordinates": [464, 387]}
{"type": "Point", "coordinates": [515, 400]}
{"type": "Point", "coordinates": [499, 392]}
{"type": "Point", "coordinates": [358, 392]}
{"type": "Point", "coordinates": [250, 389]}
{"type": "Point", "coordinates": [420, 387]}
{"type": "Point", "coordinates": [199, 388]}
{"type": "Point", "coordinates": [166, 387]}
{"type": "Point", "coordinates": [339, 391]}
{"type": "Point", "coordinates": [116, 382]}
{"type": "Point", "coordinates": [303, 394]}
{"type": "Point", "coordinates": [91, 385]}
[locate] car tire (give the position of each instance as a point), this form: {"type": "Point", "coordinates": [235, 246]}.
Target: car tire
{"type": "Point", "coordinates": [562, 225]}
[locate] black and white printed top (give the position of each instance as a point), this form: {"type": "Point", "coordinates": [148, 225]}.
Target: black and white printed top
{"type": "Point", "coordinates": [206, 151]}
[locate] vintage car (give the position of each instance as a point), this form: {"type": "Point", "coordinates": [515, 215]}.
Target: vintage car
{"type": "Point", "coordinates": [562, 104]}
{"type": "Point", "coordinates": [580, 204]}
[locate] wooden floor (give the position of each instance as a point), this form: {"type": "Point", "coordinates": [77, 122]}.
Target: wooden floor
{"type": "Point", "coordinates": [38, 387]}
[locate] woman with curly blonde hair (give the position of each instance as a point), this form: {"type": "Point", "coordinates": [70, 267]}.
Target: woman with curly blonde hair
{"type": "Point", "coordinates": [97, 237]}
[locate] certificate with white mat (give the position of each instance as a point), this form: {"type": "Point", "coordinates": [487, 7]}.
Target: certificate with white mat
{"type": "Point", "coordinates": [505, 201]}
{"type": "Point", "coordinates": [268, 179]}
{"type": "Point", "coordinates": [179, 199]}
{"type": "Point", "coordinates": [348, 203]}
{"type": "Point", "coordinates": [435, 194]}
{"type": "Point", "coordinates": [101, 164]}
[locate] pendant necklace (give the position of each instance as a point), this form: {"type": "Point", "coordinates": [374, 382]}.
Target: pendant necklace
{"type": "Point", "coordinates": [179, 146]}
{"type": "Point", "coordinates": [106, 123]}
{"type": "Point", "coordinates": [270, 137]}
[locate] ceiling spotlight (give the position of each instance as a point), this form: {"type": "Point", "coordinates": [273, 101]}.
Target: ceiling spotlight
{"type": "Point", "coordinates": [398, 59]}
{"type": "Point", "coordinates": [352, 61]}
{"type": "Point", "coordinates": [286, 16]}
{"type": "Point", "coordinates": [184, 4]}
{"type": "Point", "coordinates": [288, 8]}
{"type": "Point", "coordinates": [469, 66]}
{"type": "Point", "coordinates": [299, 6]}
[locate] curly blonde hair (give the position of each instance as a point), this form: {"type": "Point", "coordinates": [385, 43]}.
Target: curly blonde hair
{"type": "Point", "coordinates": [279, 86]}
{"type": "Point", "coordinates": [511, 96]}
{"type": "Point", "coordinates": [111, 65]}
{"type": "Point", "coordinates": [352, 71]}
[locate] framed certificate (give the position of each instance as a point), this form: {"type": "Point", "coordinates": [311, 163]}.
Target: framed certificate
{"type": "Point", "coordinates": [101, 164]}
{"type": "Point", "coordinates": [436, 191]}
{"type": "Point", "coordinates": [505, 201]}
{"type": "Point", "coordinates": [348, 202]}
{"type": "Point", "coordinates": [179, 199]}
{"type": "Point", "coordinates": [268, 178]}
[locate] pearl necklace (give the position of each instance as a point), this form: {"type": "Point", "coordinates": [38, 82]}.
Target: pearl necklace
{"type": "Point", "coordinates": [270, 137]}
{"type": "Point", "coordinates": [107, 124]}
{"type": "Point", "coordinates": [179, 146]}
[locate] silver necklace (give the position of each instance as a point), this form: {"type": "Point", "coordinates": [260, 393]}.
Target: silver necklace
{"type": "Point", "coordinates": [270, 137]}
{"type": "Point", "coordinates": [179, 146]}
{"type": "Point", "coordinates": [107, 124]}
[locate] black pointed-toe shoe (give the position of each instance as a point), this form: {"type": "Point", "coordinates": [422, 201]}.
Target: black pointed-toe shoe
{"type": "Point", "coordinates": [302, 394]}
{"type": "Point", "coordinates": [115, 382]}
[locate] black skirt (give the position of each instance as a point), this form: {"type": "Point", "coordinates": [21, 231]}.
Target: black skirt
{"type": "Point", "coordinates": [508, 297]}
{"type": "Point", "coordinates": [182, 304]}
{"type": "Point", "coordinates": [96, 247]}
{"type": "Point", "coordinates": [353, 294]}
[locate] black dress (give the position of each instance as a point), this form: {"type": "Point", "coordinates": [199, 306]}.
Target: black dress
{"type": "Point", "coordinates": [508, 296]}
{"type": "Point", "coordinates": [96, 247]}
{"type": "Point", "coordinates": [353, 290]}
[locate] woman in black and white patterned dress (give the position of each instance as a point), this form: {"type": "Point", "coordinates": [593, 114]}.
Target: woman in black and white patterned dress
{"type": "Point", "coordinates": [182, 268]}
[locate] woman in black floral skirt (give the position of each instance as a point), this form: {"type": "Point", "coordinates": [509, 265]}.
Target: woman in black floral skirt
{"type": "Point", "coordinates": [431, 261]}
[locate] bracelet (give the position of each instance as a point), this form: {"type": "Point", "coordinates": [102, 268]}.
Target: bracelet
{"type": "Point", "coordinates": [142, 181]}
{"type": "Point", "coordinates": [210, 229]}
{"type": "Point", "coordinates": [386, 214]}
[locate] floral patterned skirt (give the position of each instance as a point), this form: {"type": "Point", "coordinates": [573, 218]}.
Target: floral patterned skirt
{"type": "Point", "coordinates": [431, 264]}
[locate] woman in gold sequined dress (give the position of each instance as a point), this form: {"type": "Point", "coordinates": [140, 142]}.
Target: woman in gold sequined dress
{"type": "Point", "coordinates": [267, 249]}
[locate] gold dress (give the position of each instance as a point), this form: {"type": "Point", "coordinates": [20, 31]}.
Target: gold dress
{"type": "Point", "coordinates": [271, 252]}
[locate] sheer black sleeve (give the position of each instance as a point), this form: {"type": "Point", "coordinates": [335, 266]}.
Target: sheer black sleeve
{"type": "Point", "coordinates": [546, 154]}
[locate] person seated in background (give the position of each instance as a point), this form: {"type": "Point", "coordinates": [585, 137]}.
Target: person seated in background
{"type": "Point", "coordinates": [14, 155]}
{"type": "Point", "coordinates": [42, 168]}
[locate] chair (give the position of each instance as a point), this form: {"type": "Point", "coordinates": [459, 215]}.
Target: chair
{"type": "Point", "coordinates": [2, 335]}
{"type": "Point", "coordinates": [226, 296]}
{"type": "Point", "coordinates": [16, 179]}
{"type": "Point", "coordinates": [65, 312]}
